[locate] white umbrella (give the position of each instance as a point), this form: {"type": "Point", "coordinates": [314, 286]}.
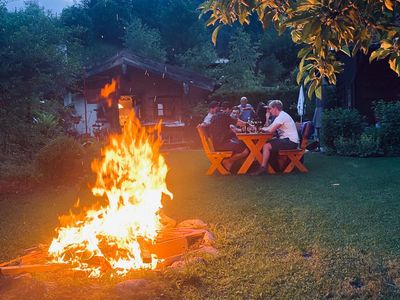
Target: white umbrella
{"type": "Point", "coordinates": [300, 104]}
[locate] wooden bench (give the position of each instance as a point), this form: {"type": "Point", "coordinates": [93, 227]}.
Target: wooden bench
{"type": "Point", "coordinates": [295, 156]}
{"type": "Point", "coordinates": [215, 157]}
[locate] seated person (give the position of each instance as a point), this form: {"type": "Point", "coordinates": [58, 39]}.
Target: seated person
{"type": "Point", "coordinates": [269, 118]}
{"type": "Point", "coordinates": [288, 138]}
{"type": "Point", "coordinates": [235, 112]}
{"type": "Point", "coordinates": [261, 112]}
{"type": "Point", "coordinates": [246, 110]}
{"type": "Point", "coordinates": [213, 108]}
{"type": "Point", "coordinates": [222, 136]}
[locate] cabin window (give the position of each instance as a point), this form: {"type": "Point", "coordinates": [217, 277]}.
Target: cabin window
{"type": "Point", "coordinates": [160, 110]}
{"type": "Point", "coordinates": [164, 107]}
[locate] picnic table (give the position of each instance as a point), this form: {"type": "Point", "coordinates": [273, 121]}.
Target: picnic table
{"type": "Point", "coordinates": [254, 142]}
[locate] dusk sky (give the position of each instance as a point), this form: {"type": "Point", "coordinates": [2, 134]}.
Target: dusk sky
{"type": "Point", "coordinates": [54, 5]}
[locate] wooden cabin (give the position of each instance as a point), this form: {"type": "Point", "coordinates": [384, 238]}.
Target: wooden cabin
{"type": "Point", "coordinates": [153, 90]}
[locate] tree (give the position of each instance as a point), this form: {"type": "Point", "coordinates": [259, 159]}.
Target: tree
{"type": "Point", "coordinates": [180, 26]}
{"type": "Point", "coordinates": [144, 41]}
{"type": "Point", "coordinates": [37, 63]}
{"type": "Point", "coordinates": [76, 19]}
{"type": "Point", "coordinates": [199, 59]}
{"type": "Point", "coordinates": [280, 46]}
{"type": "Point", "coordinates": [239, 72]}
{"type": "Point", "coordinates": [109, 18]}
{"type": "Point", "coordinates": [272, 68]}
{"type": "Point", "coordinates": [322, 28]}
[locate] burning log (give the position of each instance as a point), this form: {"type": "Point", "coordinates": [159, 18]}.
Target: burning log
{"type": "Point", "coordinates": [16, 270]}
{"type": "Point", "coordinates": [34, 260]}
{"type": "Point", "coordinates": [171, 245]}
{"type": "Point", "coordinates": [32, 255]}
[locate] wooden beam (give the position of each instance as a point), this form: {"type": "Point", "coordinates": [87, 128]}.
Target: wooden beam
{"type": "Point", "coordinates": [34, 256]}
{"type": "Point", "coordinates": [173, 247]}
{"type": "Point", "coordinates": [16, 270]}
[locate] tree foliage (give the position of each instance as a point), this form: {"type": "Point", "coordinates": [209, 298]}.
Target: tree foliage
{"type": "Point", "coordinates": [239, 72]}
{"type": "Point", "coordinates": [37, 62]}
{"type": "Point", "coordinates": [198, 59]}
{"type": "Point", "coordinates": [322, 28]}
{"type": "Point", "coordinates": [144, 41]}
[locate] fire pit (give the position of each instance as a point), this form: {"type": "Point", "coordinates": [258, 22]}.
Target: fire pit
{"type": "Point", "coordinates": [126, 230]}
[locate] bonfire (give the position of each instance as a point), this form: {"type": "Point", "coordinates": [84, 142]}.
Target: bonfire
{"type": "Point", "coordinates": [126, 230]}
{"type": "Point", "coordinates": [131, 176]}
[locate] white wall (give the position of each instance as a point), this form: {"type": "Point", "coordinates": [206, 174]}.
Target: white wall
{"type": "Point", "coordinates": [79, 105]}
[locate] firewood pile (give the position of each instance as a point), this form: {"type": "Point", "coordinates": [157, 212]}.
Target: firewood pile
{"type": "Point", "coordinates": [32, 260]}
{"type": "Point", "coordinates": [172, 244]}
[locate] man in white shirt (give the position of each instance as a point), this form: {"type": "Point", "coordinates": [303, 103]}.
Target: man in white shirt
{"type": "Point", "coordinates": [288, 137]}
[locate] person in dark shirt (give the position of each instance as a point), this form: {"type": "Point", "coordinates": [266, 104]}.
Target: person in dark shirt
{"type": "Point", "coordinates": [261, 111]}
{"type": "Point", "coordinates": [223, 137]}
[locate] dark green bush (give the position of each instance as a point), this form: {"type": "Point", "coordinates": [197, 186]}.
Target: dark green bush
{"type": "Point", "coordinates": [346, 146]}
{"type": "Point", "coordinates": [365, 145]}
{"type": "Point", "coordinates": [370, 143]}
{"type": "Point", "coordinates": [340, 122]}
{"type": "Point", "coordinates": [60, 160]}
{"type": "Point", "coordinates": [388, 117]}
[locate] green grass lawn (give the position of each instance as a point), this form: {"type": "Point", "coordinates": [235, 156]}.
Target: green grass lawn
{"type": "Point", "coordinates": [331, 233]}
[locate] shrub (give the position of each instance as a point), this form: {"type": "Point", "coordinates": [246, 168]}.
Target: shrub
{"type": "Point", "coordinates": [370, 143]}
{"type": "Point", "coordinates": [339, 122]}
{"type": "Point", "coordinates": [388, 116]}
{"type": "Point", "coordinates": [365, 145]}
{"type": "Point", "coordinates": [346, 146]}
{"type": "Point", "coordinates": [60, 160]}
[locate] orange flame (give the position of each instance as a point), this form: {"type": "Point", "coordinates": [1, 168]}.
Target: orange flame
{"type": "Point", "coordinates": [108, 90]}
{"type": "Point", "coordinates": [132, 176]}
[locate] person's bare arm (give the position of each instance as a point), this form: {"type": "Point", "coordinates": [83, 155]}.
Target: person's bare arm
{"type": "Point", "coordinates": [240, 123]}
{"type": "Point", "coordinates": [271, 128]}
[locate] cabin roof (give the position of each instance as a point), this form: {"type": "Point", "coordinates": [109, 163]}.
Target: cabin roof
{"type": "Point", "coordinates": [166, 71]}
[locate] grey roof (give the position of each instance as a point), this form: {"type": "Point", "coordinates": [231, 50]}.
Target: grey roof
{"type": "Point", "coordinates": [165, 70]}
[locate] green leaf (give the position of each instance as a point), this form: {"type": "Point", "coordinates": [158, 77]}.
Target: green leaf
{"type": "Point", "coordinates": [299, 76]}
{"type": "Point", "coordinates": [311, 89]}
{"type": "Point", "coordinates": [306, 80]}
{"type": "Point", "coordinates": [303, 52]}
{"type": "Point", "coordinates": [215, 34]}
{"type": "Point", "coordinates": [212, 21]}
{"type": "Point", "coordinates": [386, 44]}
{"type": "Point", "coordinates": [345, 50]}
{"type": "Point", "coordinates": [300, 19]}
{"type": "Point", "coordinates": [243, 17]}
{"type": "Point", "coordinates": [373, 55]}
{"type": "Point", "coordinates": [393, 64]}
{"type": "Point", "coordinates": [301, 64]}
{"type": "Point", "coordinates": [296, 36]}
{"type": "Point", "coordinates": [318, 92]}
{"type": "Point", "coordinates": [311, 29]}
{"type": "Point", "coordinates": [308, 67]}
{"type": "Point", "coordinates": [356, 48]}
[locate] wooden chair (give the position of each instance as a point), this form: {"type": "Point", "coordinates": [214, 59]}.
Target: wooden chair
{"type": "Point", "coordinates": [295, 156]}
{"type": "Point", "coordinates": [215, 157]}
